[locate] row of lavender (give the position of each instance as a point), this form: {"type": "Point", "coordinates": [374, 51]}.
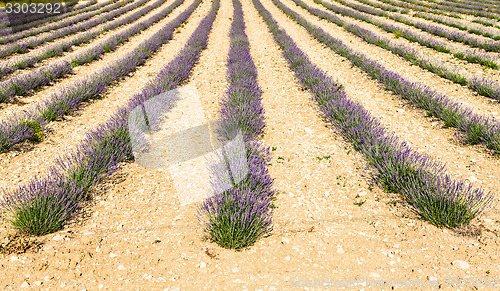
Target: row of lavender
{"type": "Point", "coordinates": [64, 22]}
{"type": "Point", "coordinates": [480, 84]}
{"type": "Point", "coordinates": [45, 205]}
{"type": "Point", "coordinates": [17, 29]}
{"type": "Point", "coordinates": [489, 45]}
{"type": "Point", "coordinates": [423, 182]}
{"type": "Point", "coordinates": [474, 128]}
{"type": "Point", "coordinates": [470, 55]}
{"type": "Point", "coordinates": [24, 45]}
{"type": "Point", "coordinates": [30, 123]}
{"type": "Point", "coordinates": [237, 217]}
{"type": "Point", "coordinates": [23, 83]}
{"type": "Point", "coordinates": [59, 47]}
{"type": "Point", "coordinates": [438, 9]}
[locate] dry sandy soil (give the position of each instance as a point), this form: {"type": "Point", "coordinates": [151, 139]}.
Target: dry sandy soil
{"type": "Point", "coordinates": [136, 236]}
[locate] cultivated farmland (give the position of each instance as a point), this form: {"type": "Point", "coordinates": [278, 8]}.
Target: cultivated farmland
{"type": "Point", "coordinates": [358, 145]}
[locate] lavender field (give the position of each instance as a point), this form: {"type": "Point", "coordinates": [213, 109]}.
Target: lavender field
{"type": "Point", "coordinates": [346, 144]}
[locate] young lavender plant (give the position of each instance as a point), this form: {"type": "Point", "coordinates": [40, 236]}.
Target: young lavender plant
{"type": "Point", "coordinates": [240, 210]}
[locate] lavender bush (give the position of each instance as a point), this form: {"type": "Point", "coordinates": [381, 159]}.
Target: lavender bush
{"type": "Point", "coordinates": [397, 167]}
{"type": "Point", "coordinates": [237, 217]}
{"type": "Point", "coordinates": [63, 192]}
{"type": "Point", "coordinates": [42, 206]}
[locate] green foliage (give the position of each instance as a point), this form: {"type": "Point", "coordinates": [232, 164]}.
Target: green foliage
{"type": "Point", "coordinates": [40, 216]}
{"type": "Point", "coordinates": [37, 130]}
{"type": "Point", "coordinates": [360, 202]}
{"type": "Point", "coordinates": [445, 213]}
{"type": "Point", "coordinates": [231, 231]}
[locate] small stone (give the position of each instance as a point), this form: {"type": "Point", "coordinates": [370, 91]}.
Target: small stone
{"type": "Point", "coordinates": [121, 267]}
{"type": "Point", "coordinates": [58, 237]}
{"type": "Point", "coordinates": [235, 270]}
{"type": "Point", "coordinates": [340, 250]}
{"type": "Point", "coordinates": [202, 264]}
{"type": "Point", "coordinates": [285, 240]}
{"type": "Point", "coordinates": [473, 179]}
{"type": "Point", "coordinates": [113, 255]}
{"type": "Point", "coordinates": [287, 258]}
{"type": "Point", "coordinates": [88, 233]}
{"type": "Point", "coordinates": [461, 264]}
{"type": "Point", "coordinates": [38, 283]}
{"type": "Point", "coordinates": [392, 263]}
{"type": "Point", "coordinates": [25, 285]}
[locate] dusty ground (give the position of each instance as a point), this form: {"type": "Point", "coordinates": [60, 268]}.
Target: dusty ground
{"type": "Point", "coordinates": [136, 236]}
